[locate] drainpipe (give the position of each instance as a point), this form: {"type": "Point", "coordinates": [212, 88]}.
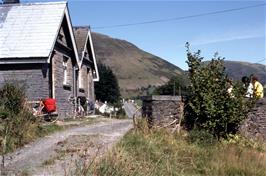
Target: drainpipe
{"type": "Point", "coordinates": [75, 89]}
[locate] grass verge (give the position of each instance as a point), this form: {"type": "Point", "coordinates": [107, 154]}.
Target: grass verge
{"type": "Point", "coordinates": [157, 152]}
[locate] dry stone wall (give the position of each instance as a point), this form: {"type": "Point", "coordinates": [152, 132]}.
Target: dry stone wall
{"type": "Point", "coordinates": [255, 125]}
{"type": "Point", "coordinates": [161, 110]}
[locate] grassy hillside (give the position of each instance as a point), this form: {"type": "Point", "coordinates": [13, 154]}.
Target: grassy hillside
{"type": "Point", "coordinates": [133, 67]}
{"type": "Point", "coordinates": [237, 70]}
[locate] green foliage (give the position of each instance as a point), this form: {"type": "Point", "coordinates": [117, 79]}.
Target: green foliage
{"type": "Point", "coordinates": [12, 97]}
{"type": "Point", "coordinates": [210, 106]}
{"type": "Point", "coordinates": [16, 121]}
{"type": "Point", "coordinates": [177, 85]}
{"type": "Point", "coordinates": [107, 89]}
{"type": "Point", "coordinates": [201, 138]}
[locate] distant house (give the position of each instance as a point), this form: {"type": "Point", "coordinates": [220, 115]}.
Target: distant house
{"type": "Point", "coordinates": [38, 50]}
{"type": "Point", "coordinates": [88, 72]}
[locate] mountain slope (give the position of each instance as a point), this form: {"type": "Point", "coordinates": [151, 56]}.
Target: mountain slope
{"type": "Point", "coordinates": [133, 67]}
{"type": "Point", "coordinates": [237, 70]}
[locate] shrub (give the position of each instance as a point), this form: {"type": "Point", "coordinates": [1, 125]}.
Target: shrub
{"type": "Point", "coordinates": [16, 121]}
{"type": "Point", "coordinates": [201, 137]}
{"type": "Point", "coordinates": [12, 97]}
{"type": "Point", "coordinates": [210, 106]}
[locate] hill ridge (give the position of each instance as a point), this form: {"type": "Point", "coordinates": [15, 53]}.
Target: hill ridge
{"type": "Point", "coordinates": [134, 67]}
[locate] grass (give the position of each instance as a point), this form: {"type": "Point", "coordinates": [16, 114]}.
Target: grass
{"type": "Point", "coordinates": [35, 130]}
{"type": "Point", "coordinates": [59, 156]}
{"type": "Point", "coordinates": [156, 152]}
{"type": "Point", "coordinates": [46, 129]}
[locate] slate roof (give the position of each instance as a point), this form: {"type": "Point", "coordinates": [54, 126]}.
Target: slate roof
{"type": "Point", "coordinates": [81, 34]}
{"type": "Point", "coordinates": [83, 38]}
{"type": "Point", "coordinates": [29, 30]}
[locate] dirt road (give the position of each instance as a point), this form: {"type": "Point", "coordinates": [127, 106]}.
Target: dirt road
{"type": "Point", "coordinates": [62, 152]}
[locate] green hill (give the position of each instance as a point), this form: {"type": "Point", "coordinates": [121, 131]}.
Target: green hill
{"type": "Point", "coordinates": [237, 70]}
{"type": "Point", "coordinates": [133, 67]}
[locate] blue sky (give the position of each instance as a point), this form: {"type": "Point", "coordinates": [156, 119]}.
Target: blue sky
{"type": "Point", "coordinates": [237, 35]}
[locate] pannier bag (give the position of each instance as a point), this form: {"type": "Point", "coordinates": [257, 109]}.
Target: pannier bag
{"type": "Point", "coordinates": [50, 105]}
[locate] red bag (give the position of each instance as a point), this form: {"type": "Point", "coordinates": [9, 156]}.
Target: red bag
{"type": "Point", "coordinates": [50, 105]}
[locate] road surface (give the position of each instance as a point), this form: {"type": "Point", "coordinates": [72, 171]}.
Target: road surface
{"type": "Point", "coordinates": [130, 110]}
{"type": "Point", "coordinates": [57, 154]}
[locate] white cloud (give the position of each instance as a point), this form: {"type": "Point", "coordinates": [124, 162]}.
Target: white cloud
{"type": "Point", "coordinates": [228, 36]}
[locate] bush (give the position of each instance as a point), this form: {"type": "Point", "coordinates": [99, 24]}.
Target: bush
{"type": "Point", "coordinates": [16, 121]}
{"type": "Point", "coordinates": [12, 97]}
{"type": "Point", "coordinates": [210, 106]}
{"type": "Point", "coordinates": [201, 137]}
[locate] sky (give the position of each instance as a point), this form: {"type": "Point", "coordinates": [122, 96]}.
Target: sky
{"type": "Point", "coordinates": [236, 35]}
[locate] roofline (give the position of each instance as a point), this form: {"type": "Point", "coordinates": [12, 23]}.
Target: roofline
{"type": "Point", "coordinates": [89, 37]}
{"type": "Point", "coordinates": [84, 26]}
{"type": "Point", "coordinates": [24, 60]}
{"type": "Point", "coordinates": [94, 58]}
{"type": "Point", "coordinates": [72, 33]}
{"type": "Point", "coordinates": [33, 3]}
{"type": "Point", "coordinates": [69, 24]}
{"type": "Point", "coordinates": [55, 38]}
{"type": "Point", "coordinates": [83, 52]}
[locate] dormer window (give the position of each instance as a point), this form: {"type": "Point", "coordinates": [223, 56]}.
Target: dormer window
{"type": "Point", "coordinates": [60, 37]}
{"type": "Point", "coordinates": [85, 54]}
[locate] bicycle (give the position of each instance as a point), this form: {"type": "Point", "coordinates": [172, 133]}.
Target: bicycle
{"type": "Point", "coordinates": [41, 110]}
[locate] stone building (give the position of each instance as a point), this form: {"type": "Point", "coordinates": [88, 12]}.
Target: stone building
{"type": "Point", "coordinates": [38, 50]}
{"type": "Point", "coordinates": [88, 72]}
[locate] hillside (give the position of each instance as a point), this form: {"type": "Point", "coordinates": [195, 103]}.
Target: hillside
{"type": "Point", "coordinates": [133, 67]}
{"type": "Point", "coordinates": [237, 70]}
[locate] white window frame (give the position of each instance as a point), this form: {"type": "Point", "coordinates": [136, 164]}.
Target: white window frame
{"type": "Point", "coordinates": [81, 84]}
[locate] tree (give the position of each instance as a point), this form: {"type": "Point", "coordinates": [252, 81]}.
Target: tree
{"type": "Point", "coordinates": [175, 86]}
{"type": "Point", "coordinates": [210, 106]}
{"type": "Point", "coordinates": [107, 89]}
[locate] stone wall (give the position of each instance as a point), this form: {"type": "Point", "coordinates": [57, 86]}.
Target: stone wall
{"type": "Point", "coordinates": [161, 110]}
{"type": "Point", "coordinates": [255, 125]}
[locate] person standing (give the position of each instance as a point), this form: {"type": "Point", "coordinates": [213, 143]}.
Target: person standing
{"type": "Point", "coordinates": [248, 86]}
{"type": "Point", "coordinates": [258, 88]}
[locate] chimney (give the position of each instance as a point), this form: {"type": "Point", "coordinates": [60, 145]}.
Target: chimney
{"type": "Point", "coordinates": [10, 1]}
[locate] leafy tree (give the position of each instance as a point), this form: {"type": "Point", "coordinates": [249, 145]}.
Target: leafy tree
{"type": "Point", "coordinates": [107, 89]}
{"type": "Point", "coordinates": [210, 106]}
{"type": "Point", "coordinates": [173, 86]}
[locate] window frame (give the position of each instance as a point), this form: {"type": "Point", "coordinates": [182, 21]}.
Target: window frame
{"type": "Point", "coordinates": [65, 72]}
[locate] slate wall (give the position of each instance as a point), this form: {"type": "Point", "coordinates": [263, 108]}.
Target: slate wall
{"type": "Point", "coordinates": [161, 110]}
{"type": "Point", "coordinates": [33, 77]}
{"type": "Point", "coordinates": [255, 125]}
{"type": "Point", "coordinates": [63, 93]}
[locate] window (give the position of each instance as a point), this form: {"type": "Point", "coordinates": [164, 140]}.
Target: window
{"type": "Point", "coordinates": [80, 80]}
{"type": "Point", "coordinates": [65, 59]}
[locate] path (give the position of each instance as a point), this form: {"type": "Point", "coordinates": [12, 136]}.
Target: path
{"type": "Point", "coordinates": [57, 154]}
{"type": "Point", "coordinates": [130, 109]}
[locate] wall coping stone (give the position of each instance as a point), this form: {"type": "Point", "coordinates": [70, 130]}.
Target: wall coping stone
{"type": "Point", "coordinates": [161, 98]}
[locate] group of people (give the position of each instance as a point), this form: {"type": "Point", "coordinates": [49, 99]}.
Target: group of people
{"type": "Point", "coordinates": [253, 87]}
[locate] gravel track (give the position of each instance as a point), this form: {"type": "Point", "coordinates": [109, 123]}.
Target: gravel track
{"type": "Point", "coordinates": [91, 139]}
